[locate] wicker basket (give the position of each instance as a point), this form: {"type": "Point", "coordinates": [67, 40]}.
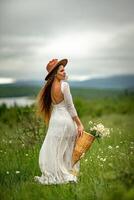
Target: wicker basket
{"type": "Point", "coordinates": [81, 146]}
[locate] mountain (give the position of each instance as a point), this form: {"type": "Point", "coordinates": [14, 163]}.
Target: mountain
{"type": "Point", "coordinates": [111, 82]}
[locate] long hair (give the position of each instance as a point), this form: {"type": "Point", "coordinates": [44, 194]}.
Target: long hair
{"type": "Point", "coordinates": [43, 100]}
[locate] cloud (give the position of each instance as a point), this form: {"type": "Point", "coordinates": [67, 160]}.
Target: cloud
{"type": "Point", "coordinates": [97, 38]}
{"type": "Point", "coordinates": [50, 17]}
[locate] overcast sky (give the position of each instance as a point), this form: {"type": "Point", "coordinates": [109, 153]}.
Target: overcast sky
{"type": "Point", "coordinates": [96, 36]}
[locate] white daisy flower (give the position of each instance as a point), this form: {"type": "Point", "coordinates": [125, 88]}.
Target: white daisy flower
{"type": "Point", "coordinates": [110, 147]}
{"type": "Point", "coordinates": [117, 147]}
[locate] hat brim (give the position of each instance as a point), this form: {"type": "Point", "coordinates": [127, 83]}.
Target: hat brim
{"type": "Point", "coordinates": [61, 62]}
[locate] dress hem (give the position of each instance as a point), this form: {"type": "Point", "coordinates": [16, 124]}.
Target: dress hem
{"type": "Point", "coordinates": [45, 181]}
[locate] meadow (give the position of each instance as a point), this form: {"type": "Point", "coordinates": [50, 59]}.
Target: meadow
{"type": "Point", "coordinates": [106, 171]}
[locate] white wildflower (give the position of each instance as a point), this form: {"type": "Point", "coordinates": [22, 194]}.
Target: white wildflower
{"type": "Point", "coordinates": [17, 172]}
{"type": "Point", "coordinates": [94, 128]}
{"type": "Point", "coordinates": [90, 122]}
{"type": "Point", "coordinates": [117, 147]}
{"type": "Point", "coordinates": [26, 154]}
{"type": "Point", "coordinates": [7, 172]}
{"type": "Point", "coordinates": [106, 132]}
{"type": "Point", "coordinates": [100, 127]}
{"type": "Point", "coordinates": [110, 147]}
{"type": "Point", "coordinates": [99, 130]}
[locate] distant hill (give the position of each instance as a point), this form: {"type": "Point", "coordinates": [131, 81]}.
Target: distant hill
{"type": "Point", "coordinates": [95, 88]}
{"type": "Point", "coordinates": [113, 82]}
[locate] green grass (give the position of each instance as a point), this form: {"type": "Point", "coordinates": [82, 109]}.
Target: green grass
{"type": "Point", "coordinates": [106, 171]}
{"type": "Point", "coordinates": [18, 91]}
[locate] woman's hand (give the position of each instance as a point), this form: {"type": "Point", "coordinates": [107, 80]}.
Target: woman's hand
{"type": "Point", "coordinates": [80, 129]}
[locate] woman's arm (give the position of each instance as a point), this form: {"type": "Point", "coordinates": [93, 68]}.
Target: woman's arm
{"type": "Point", "coordinates": [71, 108]}
{"type": "Point", "coordinates": [68, 100]}
{"type": "Point", "coordinates": [77, 120]}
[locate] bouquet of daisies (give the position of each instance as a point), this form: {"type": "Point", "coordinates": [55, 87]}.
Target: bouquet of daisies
{"type": "Point", "coordinates": [98, 130]}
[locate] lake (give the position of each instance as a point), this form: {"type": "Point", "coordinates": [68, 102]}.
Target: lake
{"type": "Point", "coordinates": [20, 101]}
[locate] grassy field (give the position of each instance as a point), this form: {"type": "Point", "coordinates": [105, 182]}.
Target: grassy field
{"type": "Point", "coordinates": [106, 171]}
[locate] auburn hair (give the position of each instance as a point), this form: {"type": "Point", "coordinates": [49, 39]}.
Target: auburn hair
{"type": "Point", "coordinates": [43, 99]}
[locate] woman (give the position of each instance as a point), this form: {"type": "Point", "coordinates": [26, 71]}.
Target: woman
{"type": "Point", "coordinates": [56, 106]}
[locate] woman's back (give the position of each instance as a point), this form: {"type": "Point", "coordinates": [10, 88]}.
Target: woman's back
{"type": "Point", "coordinates": [61, 93]}
{"type": "Point", "coordinates": [56, 93]}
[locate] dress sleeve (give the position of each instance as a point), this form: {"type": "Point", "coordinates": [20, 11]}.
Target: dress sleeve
{"type": "Point", "coordinates": [68, 100]}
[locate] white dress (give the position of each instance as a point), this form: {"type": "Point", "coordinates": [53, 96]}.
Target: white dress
{"type": "Point", "coordinates": [56, 151]}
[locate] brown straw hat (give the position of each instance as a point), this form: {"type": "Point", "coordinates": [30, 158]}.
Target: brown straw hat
{"type": "Point", "coordinates": [53, 64]}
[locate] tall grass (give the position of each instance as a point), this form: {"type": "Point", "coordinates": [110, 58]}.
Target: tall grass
{"type": "Point", "coordinates": [106, 171]}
